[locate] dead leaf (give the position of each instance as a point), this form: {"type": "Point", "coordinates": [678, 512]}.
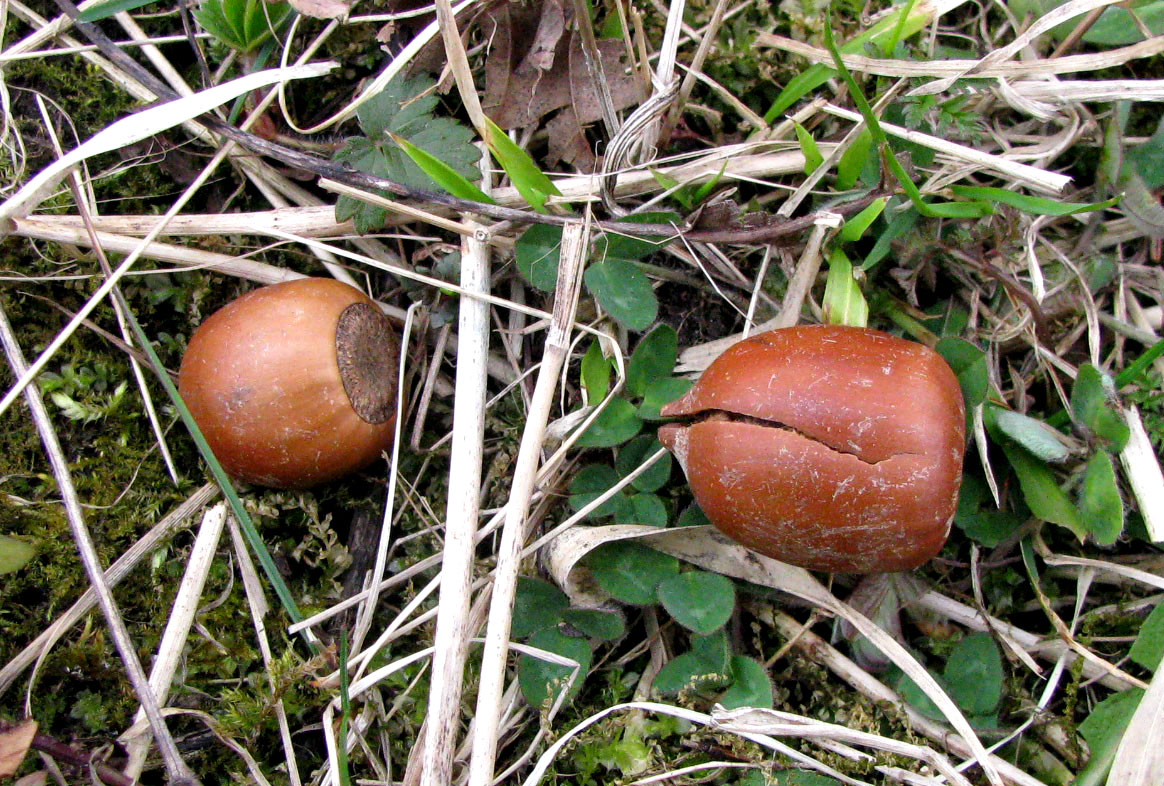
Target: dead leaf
{"type": "Point", "coordinates": [320, 9]}
{"type": "Point", "coordinates": [38, 778]}
{"type": "Point", "coordinates": [14, 744]}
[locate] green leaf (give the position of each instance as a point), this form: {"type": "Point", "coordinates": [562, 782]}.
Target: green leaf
{"type": "Point", "coordinates": [843, 303]}
{"type": "Point", "coordinates": [444, 175]}
{"type": "Point", "coordinates": [404, 109]}
{"type": "Point", "coordinates": [1041, 492]}
{"type": "Point", "coordinates": [699, 601]}
{"type": "Point", "coordinates": [625, 293]}
{"type": "Point", "coordinates": [591, 482]}
{"type": "Point", "coordinates": [95, 13]}
{"type": "Point", "coordinates": [977, 518]}
{"type": "Point", "coordinates": [613, 426]}
{"type": "Point", "coordinates": [969, 364]}
{"type": "Point", "coordinates": [653, 359]}
{"type": "Point", "coordinates": [901, 223]}
{"type": "Point", "coordinates": [706, 666]}
{"type": "Point", "coordinates": [1117, 27]}
{"type": "Point", "coordinates": [541, 681]}
{"type": "Point", "coordinates": [808, 146]}
{"type": "Point", "coordinates": [853, 160]}
{"type": "Point", "coordinates": [14, 554]}
{"type": "Point", "coordinates": [1099, 500]}
{"type": "Point", "coordinates": [242, 25]}
{"type": "Point", "coordinates": [661, 392]}
{"type": "Point", "coordinates": [1148, 648]}
{"type": "Point", "coordinates": [1039, 206]}
{"type": "Point", "coordinates": [538, 605]}
{"type": "Point", "coordinates": [1103, 729]}
{"type": "Point", "coordinates": [530, 182]}
{"type": "Point", "coordinates": [630, 572]}
{"type": "Point", "coordinates": [1091, 398]}
{"type": "Point", "coordinates": [634, 453]}
{"type": "Point", "coordinates": [750, 685]}
{"type": "Point", "coordinates": [612, 245]}
{"type": "Point", "coordinates": [974, 675]}
{"type": "Point", "coordinates": [596, 623]}
{"type": "Point", "coordinates": [693, 516]}
{"type": "Point", "coordinates": [538, 251]}
{"type": "Point", "coordinates": [1041, 440]}
{"type": "Point", "coordinates": [854, 228]}
{"type": "Point", "coordinates": [1147, 160]}
{"type": "Point", "coordinates": [596, 370]}
{"type": "Point", "coordinates": [644, 509]}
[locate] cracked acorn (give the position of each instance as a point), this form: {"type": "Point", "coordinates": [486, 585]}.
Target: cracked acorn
{"type": "Point", "coordinates": [829, 447]}
{"type": "Point", "coordinates": [294, 384]}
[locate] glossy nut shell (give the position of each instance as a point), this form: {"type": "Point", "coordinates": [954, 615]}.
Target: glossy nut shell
{"type": "Point", "coordinates": [832, 448]}
{"type": "Point", "coordinates": [294, 384]}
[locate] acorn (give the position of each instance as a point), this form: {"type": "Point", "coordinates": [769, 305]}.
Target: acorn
{"type": "Point", "coordinates": [829, 447]}
{"type": "Point", "coordinates": [294, 384]}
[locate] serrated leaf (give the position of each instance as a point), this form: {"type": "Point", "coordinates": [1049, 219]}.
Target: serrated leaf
{"type": "Point", "coordinates": [630, 572]}
{"type": "Point", "coordinates": [1100, 504]}
{"type": "Point", "coordinates": [596, 623]}
{"type": "Point", "coordinates": [751, 686]}
{"type": "Point", "coordinates": [242, 25]}
{"type": "Point", "coordinates": [653, 358]}
{"type": "Point", "coordinates": [596, 370]}
{"type": "Point", "coordinates": [613, 426]}
{"type": "Point", "coordinates": [541, 681]}
{"type": "Point", "coordinates": [537, 605]}
{"type": "Point", "coordinates": [404, 110]}
{"type": "Point", "coordinates": [14, 554]}
{"type": "Point", "coordinates": [624, 292]}
{"type": "Point", "coordinates": [1148, 648]}
{"type": "Point", "coordinates": [699, 601]}
{"type": "Point", "coordinates": [537, 252]}
{"type": "Point", "coordinates": [444, 175]}
{"type": "Point", "coordinates": [634, 453]}
{"type": "Point", "coordinates": [529, 181]}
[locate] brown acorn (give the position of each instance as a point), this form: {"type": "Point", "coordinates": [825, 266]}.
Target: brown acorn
{"type": "Point", "coordinates": [832, 448]}
{"type": "Point", "coordinates": [294, 384]}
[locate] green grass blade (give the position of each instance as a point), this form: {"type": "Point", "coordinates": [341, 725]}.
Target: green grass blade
{"type": "Point", "coordinates": [220, 476]}
{"type": "Point", "coordinates": [530, 182]}
{"type": "Point", "coordinates": [808, 146]}
{"type": "Point", "coordinates": [101, 11]}
{"type": "Point", "coordinates": [1040, 206]}
{"type": "Point", "coordinates": [446, 177]}
{"type": "Point", "coordinates": [854, 228]}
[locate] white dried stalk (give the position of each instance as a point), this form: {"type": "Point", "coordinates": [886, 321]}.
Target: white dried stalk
{"type": "Point", "coordinates": [1039, 179]}
{"type": "Point", "coordinates": [157, 535]}
{"type": "Point", "coordinates": [937, 68]}
{"type": "Point", "coordinates": [464, 503]}
{"type": "Point", "coordinates": [257, 602]}
{"type": "Point", "coordinates": [574, 248]}
{"type": "Point", "coordinates": [1142, 468]}
{"type": "Point", "coordinates": [178, 771]}
{"type": "Point", "coordinates": [1098, 90]}
{"type": "Point", "coordinates": [868, 685]}
{"type": "Point", "coordinates": [1049, 20]}
{"type": "Point", "coordinates": [173, 642]}
{"type": "Point", "coordinates": [1139, 759]}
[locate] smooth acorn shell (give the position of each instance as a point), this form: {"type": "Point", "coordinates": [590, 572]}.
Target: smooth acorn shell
{"type": "Point", "coordinates": [832, 448]}
{"type": "Point", "coordinates": [294, 384]}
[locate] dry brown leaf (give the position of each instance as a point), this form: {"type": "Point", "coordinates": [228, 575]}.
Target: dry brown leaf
{"type": "Point", "coordinates": [320, 9]}
{"type": "Point", "coordinates": [14, 744]}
